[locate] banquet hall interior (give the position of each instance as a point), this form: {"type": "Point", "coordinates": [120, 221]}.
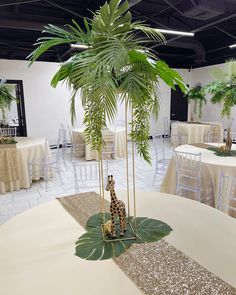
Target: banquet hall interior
{"type": "Point", "coordinates": [117, 127]}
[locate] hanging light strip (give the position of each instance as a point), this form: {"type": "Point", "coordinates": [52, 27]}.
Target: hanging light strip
{"type": "Point", "coordinates": [172, 32]}
{"type": "Point", "coordinates": [79, 46]}
{"type": "Point", "coordinates": [232, 46]}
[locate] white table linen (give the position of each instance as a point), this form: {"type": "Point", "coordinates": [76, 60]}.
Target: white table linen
{"type": "Point", "coordinates": [37, 248]}
{"type": "Point", "coordinates": [28, 149]}
{"type": "Point", "coordinates": [196, 132]}
{"type": "Point", "coordinates": [211, 167]}
{"type": "Point", "coordinates": [119, 137]}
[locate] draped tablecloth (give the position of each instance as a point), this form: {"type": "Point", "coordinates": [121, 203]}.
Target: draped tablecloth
{"type": "Point", "coordinates": [211, 167]}
{"type": "Point", "coordinates": [196, 132]}
{"type": "Point", "coordinates": [28, 149]}
{"type": "Point", "coordinates": [37, 248]}
{"type": "Point", "coordinates": [119, 138]}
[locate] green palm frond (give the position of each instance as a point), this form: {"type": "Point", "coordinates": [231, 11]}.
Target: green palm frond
{"type": "Point", "coordinates": [223, 90]}
{"type": "Point", "coordinates": [117, 61]}
{"type": "Point", "coordinates": [197, 95]}
{"type": "Point", "coordinates": [6, 98]}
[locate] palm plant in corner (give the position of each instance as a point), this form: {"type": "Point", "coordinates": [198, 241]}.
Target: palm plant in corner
{"type": "Point", "coordinates": [117, 66]}
{"type": "Point", "coordinates": [197, 96]}
{"type": "Point", "coordinates": [223, 91]}
{"type": "Point", "coordinates": [6, 99]}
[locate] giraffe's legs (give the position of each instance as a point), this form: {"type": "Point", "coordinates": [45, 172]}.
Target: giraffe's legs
{"type": "Point", "coordinates": [121, 222]}
{"type": "Point", "coordinates": [113, 228]}
{"type": "Point", "coordinates": [124, 220]}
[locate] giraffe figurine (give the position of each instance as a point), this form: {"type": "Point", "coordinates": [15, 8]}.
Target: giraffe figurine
{"type": "Point", "coordinates": [117, 207]}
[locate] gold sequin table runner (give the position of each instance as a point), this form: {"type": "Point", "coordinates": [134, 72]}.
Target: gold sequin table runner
{"type": "Point", "coordinates": [156, 268]}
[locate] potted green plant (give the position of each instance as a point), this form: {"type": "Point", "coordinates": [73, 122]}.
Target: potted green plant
{"type": "Point", "coordinates": [197, 96]}
{"type": "Point", "coordinates": [223, 89]}
{"type": "Point", "coordinates": [6, 99]}
{"type": "Point", "coordinates": [116, 66]}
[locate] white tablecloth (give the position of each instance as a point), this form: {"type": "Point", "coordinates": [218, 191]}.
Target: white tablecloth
{"type": "Point", "coordinates": [196, 132]}
{"type": "Point", "coordinates": [120, 137]}
{"type": "Point", "coordinates": [29, 149]}
{"type": "Point", "coordinates": [37, 248]}
{"type": "Point", "coordinates": [212, 165]}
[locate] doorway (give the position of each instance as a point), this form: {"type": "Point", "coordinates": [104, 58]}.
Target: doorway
{"type": "Point", "coordinates": [178, 105]}
{"type": "Point", "coordinates": [16, 115]}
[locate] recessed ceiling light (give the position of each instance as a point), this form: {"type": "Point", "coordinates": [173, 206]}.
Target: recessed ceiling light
{"type": "Point", "coordinates": [79, 46]}
{"type": "Point", "coordinates": [172, 32]}
{"type": "Point", "coordinates": [232, 46]}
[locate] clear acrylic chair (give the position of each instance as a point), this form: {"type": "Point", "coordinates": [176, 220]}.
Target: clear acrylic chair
{"type": "Point", "coordinates": [48, 164]}
{"type": "Point", "coordinates": [213, 134]}
{"type": "Point", "coordinates": [177, 137]}
{"type": "Point", "coordinates": [189, 182]}
{"type": "Point", "coordinates": [62, 141]}
{"type": "Point", "coordinates": [8, 131]}
{"type": "Point", "coordinates": [166, 125]}
{"type": "Point", "coordinates": [227, 195]}
{"type": "Point", "coordinates": [86, 175]}
{"type": "Point", "coordinates": [108, 149]}
{"type": "Point", "coordinates": [188, 172]}
{"type": "Point", "coordinates": [77, 149]}
{"type": "Point", "coordinates": [161, 160]}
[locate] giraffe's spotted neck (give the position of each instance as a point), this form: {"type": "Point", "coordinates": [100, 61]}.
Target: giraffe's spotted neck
{"type": "Point", "coordinates": [113, 194]}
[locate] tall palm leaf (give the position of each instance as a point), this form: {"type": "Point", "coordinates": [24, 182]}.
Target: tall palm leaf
{"type": "Point", "coordinates": [6, 98]}
{"type": "Point", "coordinates": [223, 89]}
{"type": "Point", "coordinates": [117, 65]}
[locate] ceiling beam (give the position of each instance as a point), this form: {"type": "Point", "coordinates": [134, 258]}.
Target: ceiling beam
{"type": "Point", "coordinates": [226, 33]}
{"type": "Point", "coordinates": [21, 24]}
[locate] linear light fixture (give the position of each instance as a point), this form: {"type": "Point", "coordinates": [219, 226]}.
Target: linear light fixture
{"type": "Point", "coordinates": [79, 46]}
{"type": "Point", "coordinates": [179, 33]}
{"type": "Point", "coordinates": [232, 46]}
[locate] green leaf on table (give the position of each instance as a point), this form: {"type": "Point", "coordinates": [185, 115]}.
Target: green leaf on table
{"type": "Point", "coordinates": [97, 219]}
{"type": "Point", "coordinates": [91, 246]}
{"type": "Point", "coordinates": [150, 230]}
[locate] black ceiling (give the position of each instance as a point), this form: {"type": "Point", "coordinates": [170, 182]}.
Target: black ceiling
{"type": "Point", "coordinates": [213, 21]}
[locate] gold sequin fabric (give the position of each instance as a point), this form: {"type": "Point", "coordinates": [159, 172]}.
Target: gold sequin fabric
{"type": "Point", "coordinates": [156, 268]}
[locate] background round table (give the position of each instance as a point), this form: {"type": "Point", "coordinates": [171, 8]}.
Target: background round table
{"type": "Point", "coordinates": [28, 149]}
{"type": "Point", "coordinates": [119, 138]}
{"type": "Point", "coordinates": [211, 167]}
{"type": "Point", "coordinates": [196, 132]}
{"type": "Point", "coordinates": [37, 247]}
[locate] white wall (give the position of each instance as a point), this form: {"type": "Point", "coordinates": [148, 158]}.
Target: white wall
{"type": "Point", "coordinates": [47, 107]}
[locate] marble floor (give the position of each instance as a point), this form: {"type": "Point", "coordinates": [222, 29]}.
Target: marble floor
{"type": "Point", "coordinates": [18, 201]}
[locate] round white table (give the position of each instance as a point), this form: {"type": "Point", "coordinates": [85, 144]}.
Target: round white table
{"type": "Point", "coordinates": [212, 166]}
{"type": "Point", "coordinates": [37, 248]}
{"type": "Point", "coordinates": [119, 138]}
{"type": "Point", "coordinates": [28, 149]}
{"type": "Point", "coordinates": [195, 132]}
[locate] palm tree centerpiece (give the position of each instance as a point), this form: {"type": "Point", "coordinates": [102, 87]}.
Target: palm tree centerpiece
{"type": "Point", "coordinates": [116, 66]}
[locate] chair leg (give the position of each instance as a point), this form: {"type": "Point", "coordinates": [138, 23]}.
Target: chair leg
{"type": "Point", "coordinates": [155, 175]}
{"type": "Point", "coordinates": [46, 177]}
{"type": "Point", "coordinates": [59, 173]}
